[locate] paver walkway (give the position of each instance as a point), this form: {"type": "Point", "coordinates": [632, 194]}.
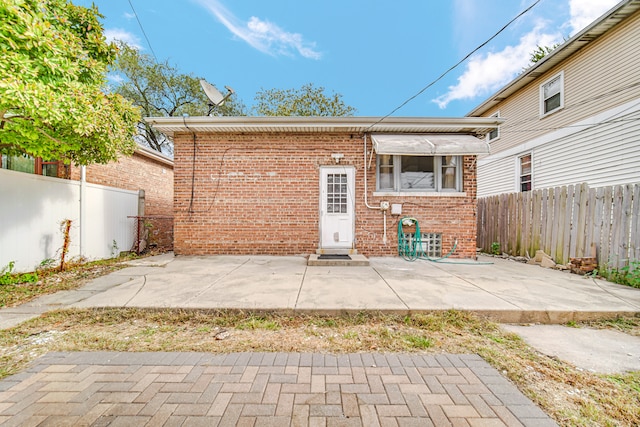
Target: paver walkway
{"type": "Point", "coordinates": [263, 389]}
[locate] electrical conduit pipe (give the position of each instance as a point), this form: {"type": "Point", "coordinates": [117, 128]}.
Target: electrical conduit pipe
{"type": "Point", "coordinates": [366, 202]}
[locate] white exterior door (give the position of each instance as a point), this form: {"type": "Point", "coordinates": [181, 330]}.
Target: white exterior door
{"type": "Point", "coordinates": [337, 205]}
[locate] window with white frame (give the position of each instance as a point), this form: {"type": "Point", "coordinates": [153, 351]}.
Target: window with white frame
{"type": "Point", "coordinates": [419, 173]}
{"type": "Point", "coordinates": [552, 94]}
{"type": "Point", "coordinates": [525, 168]}
{"type": "Point", "coordinates": [495, 133]}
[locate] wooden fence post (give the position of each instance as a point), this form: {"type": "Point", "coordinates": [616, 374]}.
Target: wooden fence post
{"type": "Point", "coordinates": [634, 246]}
{"type": "Point", "coordinates": [565, 222]}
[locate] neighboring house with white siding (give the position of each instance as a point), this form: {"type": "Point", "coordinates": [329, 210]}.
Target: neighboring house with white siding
{"type": "Point", "coordinates": [574, 116]}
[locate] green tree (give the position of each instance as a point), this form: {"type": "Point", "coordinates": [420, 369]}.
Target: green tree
{"type": "Point", "coordinates": [52, 72]}
{"type": "Point", "coordinates": [306, 101]}
{"type": "Point", "coordinates": [159, 90]}
{"type": "Point", "coordinates": [541, 51]}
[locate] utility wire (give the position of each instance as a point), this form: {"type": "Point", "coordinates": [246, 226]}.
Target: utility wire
{"type": "Point", "coordinates": [456, 65]}
{"type": "Point", "coordinates": [579, 103]}
{"type": "Point", "coordinates": [164, 78]}
{"type": "Point", "coordinates": [143, 31]}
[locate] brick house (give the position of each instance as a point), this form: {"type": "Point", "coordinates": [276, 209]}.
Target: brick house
{"type": "Point", "coordinates": [297, 185]}
{"type": "Point", "coordinates": [146, 170]}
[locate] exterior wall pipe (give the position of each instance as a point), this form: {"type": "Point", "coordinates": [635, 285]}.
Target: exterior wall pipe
{"type": "Point", "coordinates": [364, 167]}
{"type": "Point", "coordinates": [366, 203]}
{"type": "Point", "coordinates": [83, 209]}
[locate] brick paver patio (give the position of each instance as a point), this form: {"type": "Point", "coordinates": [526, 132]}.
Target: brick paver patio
{"type": "Point", "coordinates": [263, 389]}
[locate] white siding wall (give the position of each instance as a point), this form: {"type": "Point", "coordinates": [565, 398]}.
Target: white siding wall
{"type": "Point", "coordinates": [601, 76]}
{"type": "Point", "coordinates": [606, 154]}
{"type": "Point", "coordinates": [603, 155]}
{"type": "Point", "coordinates": [32, 208]}
{"type": "Point", "coordinates": [496, 176]}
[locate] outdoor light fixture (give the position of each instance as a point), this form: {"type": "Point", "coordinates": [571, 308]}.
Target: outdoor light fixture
{"type": "Point", "coordinates": [337, 157]}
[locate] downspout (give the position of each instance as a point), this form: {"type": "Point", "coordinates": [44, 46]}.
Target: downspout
{"type": "Point", "coordinates": [366, 202]}
{"type": "Point", "coordinates": [83, 213]}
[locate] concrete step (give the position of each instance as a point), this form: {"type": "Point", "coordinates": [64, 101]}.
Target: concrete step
{"type": "Point", "coordinates": [336, 251]}
{"type": "Point", "coordinates": [331, 260]}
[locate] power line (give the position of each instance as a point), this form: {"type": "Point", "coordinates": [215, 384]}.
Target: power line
{"type": "Point", "coordinates": [581, 102]}
{"type": "Point", "coordinates": [586, 127]}
{"type": "Point", "coordinates": [421, 91]}
{"type": "Point", "coordinates": [143, 31]}
{"type": "Point", "coordinates": [164, 78]}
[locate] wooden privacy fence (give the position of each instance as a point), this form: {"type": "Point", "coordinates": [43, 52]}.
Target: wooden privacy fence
{"type": "Point", "coordinates": [564, 222]}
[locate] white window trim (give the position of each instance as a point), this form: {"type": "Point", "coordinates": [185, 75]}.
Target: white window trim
{"type": "Point", "coordinates": [519, 171]}
{"type": "Point", "coordinates": [541, 98]}
{"type": "Point", "coordinates": [489, 139]}
{"type": "Point", "coordinates": [421, 192]}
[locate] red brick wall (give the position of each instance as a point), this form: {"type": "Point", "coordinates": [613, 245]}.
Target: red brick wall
{"type": "Point", "coordinates": [137, 172]}
{"type": "Point", "coordinates": [140, 172]}
{"type": "Point", "coordinates": [259, 194]}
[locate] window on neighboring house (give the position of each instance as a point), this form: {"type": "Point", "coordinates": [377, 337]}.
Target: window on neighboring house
{"type": "Point", "coordinates": [419, 173]}
{"type": "Point", "coordinates": [28, 164]}
{"type": "Point", "coordinates": [552, 94]}
{"type": "Point", "coordinates": [525, 172]}
{"type": "Point", "coordinates": [495, 133]}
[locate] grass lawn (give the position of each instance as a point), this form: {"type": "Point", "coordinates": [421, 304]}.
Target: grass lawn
{"type": "Point", "coordinates": [573, 397]}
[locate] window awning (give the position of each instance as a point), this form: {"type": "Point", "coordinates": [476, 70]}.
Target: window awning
{"type": "Point", "coordinates": [428, 144]}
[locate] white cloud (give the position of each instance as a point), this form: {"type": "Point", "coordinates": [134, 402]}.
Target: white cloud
{"type": "Point", "coordinates": [129, 15]}
{"type": "Point", "coordinates": [488, 72]}
{"type": "Point", "coordinates": [584, 12]}
{"type": "Point", "coordinates": [262, 35]}
{"type": "Point", "coordinates": [119, 34]}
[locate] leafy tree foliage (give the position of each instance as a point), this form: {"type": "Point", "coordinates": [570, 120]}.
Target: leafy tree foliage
{"type": "Point", "coordinates": [52, 72]}
{"type": "Point", "coordinates": [541, 51]}
{"type": "Point", "coordinates": [306, 101]}
{"type": "Point", "coordinates": [159, 90]}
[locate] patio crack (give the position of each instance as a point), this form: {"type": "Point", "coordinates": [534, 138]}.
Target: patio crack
{"type": "Point", "coordinates": [595, 282]}
{"type": "Point", "coordinates": [138, 291]}
{"type": "Point", "coordinates": [390, 287]}
{"type": "Point", "coordinates": [295, 306]}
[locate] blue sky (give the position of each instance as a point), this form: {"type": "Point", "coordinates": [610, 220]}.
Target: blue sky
{"type": "Point", "coordinates": [376, 53]}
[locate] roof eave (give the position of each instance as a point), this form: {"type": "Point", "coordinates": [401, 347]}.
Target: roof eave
{"type": "Point", "coordinates": [589, 34]}
{"type": "Point", "coordinates": [154, 155]}
{"type": "Point", "coordinates": [248, 124]}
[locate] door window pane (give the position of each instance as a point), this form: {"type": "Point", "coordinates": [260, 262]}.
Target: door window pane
{"type": "Point", "coordinates": [337, 193]}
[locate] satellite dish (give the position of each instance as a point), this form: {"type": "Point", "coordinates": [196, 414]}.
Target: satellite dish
{"type": "Point", "coordinates": [216, 99]}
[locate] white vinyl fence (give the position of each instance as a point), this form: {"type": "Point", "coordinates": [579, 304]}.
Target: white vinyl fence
{"type": "Point", "coordinates": [32, 208]}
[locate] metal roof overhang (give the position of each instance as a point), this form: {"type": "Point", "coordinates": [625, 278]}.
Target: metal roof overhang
{"type": "Point", "coordinates": [356, 125]}
{"type": "Point", "coordinates": [429, 144]}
